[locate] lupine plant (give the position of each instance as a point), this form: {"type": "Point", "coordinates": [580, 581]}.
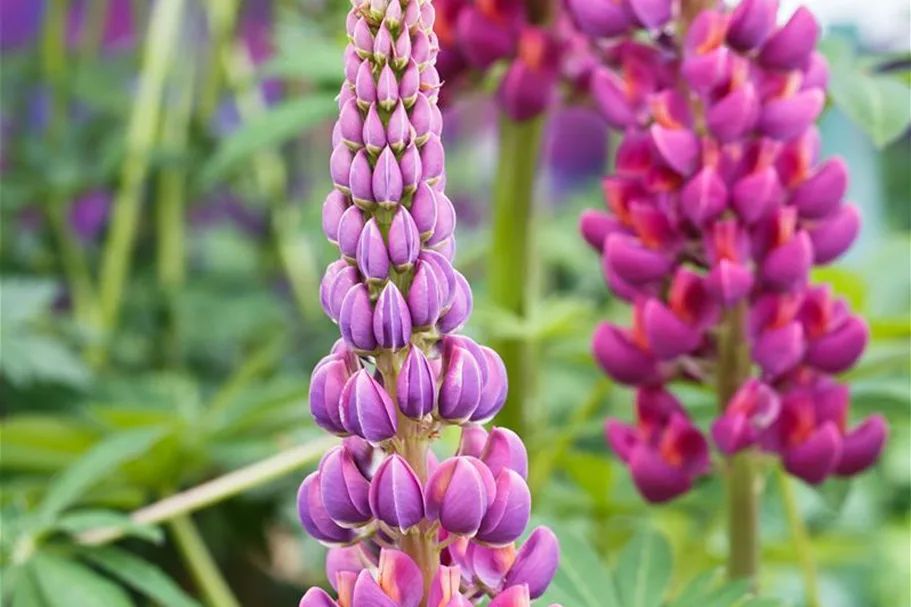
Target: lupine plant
{"type": "Point", "coordinates": [408, 530]}
{"type": "Point", "coordinates": [718, 208]}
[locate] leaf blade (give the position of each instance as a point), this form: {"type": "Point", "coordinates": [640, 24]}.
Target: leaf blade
{"type": "Point", "coordinates": [140, 575]}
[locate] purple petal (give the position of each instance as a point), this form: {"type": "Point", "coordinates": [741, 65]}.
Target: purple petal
{"type": "Point", "coordinates": [862, 446]}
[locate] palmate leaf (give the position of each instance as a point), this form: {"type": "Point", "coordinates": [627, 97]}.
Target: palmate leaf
{"type": "Point", "coordinates": [644, 569]}
{"type": "Point", "coordinates": [66, 583]}
{"type": "Point", "coordinates": [24, 298]}
{"type": "Point", "coordinates": [707, 590]}
{"type": "Point", "coordinates": [29, 358]}
{"type": "Point", "coordinates": [582, 579]}
{"type": "Point", "coordinates": [140, 575]}
{"type": "Point", "coordinates": [66, 488]}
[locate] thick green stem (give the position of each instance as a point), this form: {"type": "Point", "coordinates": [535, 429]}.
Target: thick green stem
{"type": "Point", "coordinates": [510, 272]}
{"type": "Point", "coordinates": [201, 564]}
{"type": "Point", "coordinates": [801, 539]}
{"type": "Point", "coordinates": [141, 133]}
{"type": "Point", "coordinates": [743, 482]}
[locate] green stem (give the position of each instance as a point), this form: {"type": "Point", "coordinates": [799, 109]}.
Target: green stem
{"type": "Point", "coordinates": [201, 564]}
{"type": "Point", "coordinates": [743, 480]}
{"type": "Point", "coordinates": [222, 17]}
{"type": "Point", "coordinates": [93, 26]}
{"type": "Point", "coordinates": [801, 539]}
{"type": "Point", "coordinates": [509, 273]}
{"type": "Point", "coordinates": [169, 207]}
{"type": "Point", "coordinates": [143, 127]}
{"type": "Point", "coordinates": [216, 490]}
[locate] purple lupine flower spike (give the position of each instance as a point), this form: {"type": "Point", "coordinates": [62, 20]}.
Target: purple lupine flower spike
{"type": "Point", "coordinates": [720, 202]}
{"type": "Point", "coordinates": [401, 371]}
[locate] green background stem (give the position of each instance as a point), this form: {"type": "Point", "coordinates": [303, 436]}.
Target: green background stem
{"type": "Point", "coordinates": [141, 135]}
{"type": "Point", "coordinates": [511, 258]}
{"type": "Point", "coordinates": [801, 539]}
{"type": "Point", "coordinates": [201, 564]}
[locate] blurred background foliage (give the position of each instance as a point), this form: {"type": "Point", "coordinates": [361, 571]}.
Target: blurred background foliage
{"type": "Point", "coordinates": [163, 168]}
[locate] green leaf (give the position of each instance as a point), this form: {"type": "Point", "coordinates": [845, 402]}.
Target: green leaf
{"type": "Point", "coordinates": [582, 579]}
{"type": "Point", "coordinates": [79, 521]}
{"type": "Point", "coordinates": [761, 602]}
{"type": "Point", "coordinates": [24, 298]}
{"type": "Point", "coordinates": [273, 128]}
{"type": "Point", "coordinates": [30, 358]}
{"type": "Point", "coordinates": [67, 583]}
{"type": "Point", "coordinates": [140, 575]}
{"type": "Point", "coordinates": [36, 442]}
{"type": "Point", "coordinates": [305, 54]}
{"type": "Point", "coordinates": [643, 571]}
{"type": "Point", "coordinates": [593, 473]}
{"type": "Point", "coordinates": [100, 461]}
{"type": "Point", "coordinates": [877, 103]}
{"type": "Point", "coordinates": [26, 592]}
{"type": "Point", "coordinates": [704, 591]}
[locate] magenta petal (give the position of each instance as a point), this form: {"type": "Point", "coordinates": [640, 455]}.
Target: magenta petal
{"type": "Point", "coordinates": [817, 457]}
{"type": "Point", "coordinates": [833, 235]}
{"type": "Point", "coordinates": [481, 40]}
{"type": "Point", "coordinates": [400, 578]}
{"type": "Point", "coordinates": [790, 46]}
{"type": "Point", "coordinates": [785, 119]}
{"type": "Point", "coordinates": [620, 358]}
{"type": "Point", "coordinates": [838, 350]}
{"type": "Point", "coordinates": [679, 148]}
{"type": "Point", "coordinates": [634, 263]}
{"type": "Point", "coordinates": [729, 282]}
{"type": "Point", "coordinates": [608, 90]}
{"type": "Point", "coordinates": [751, 23]}
{"type": "Point", "coordinates": [536, 562]}
{"type": "Point", "coordinates": [317, 597]}
{"type": "Point", "coordinates": [732, 433]}
{"type": "Point", "coordinates": [734, 115]}
{"type": "Point", "coordinates": [514, 596]}
{"type": "Point", "coordinates": [651, 14]}
{"type": "Point", "coordinates": [862, 446]}
{"type": "Point", "coordinates": [668, 336]}
{"type": "Point", "coordinates": [820, 194]}
{"type": "Point", "coordinates": [704, 197]}
{"type": "Point", "coordinates": [600, 18]}
{"type": "Point", "coordinates": [622, 438]}
{"type": "Point", "coordinates": [788, 267]}
{"type": "Point", "coordinates": [756, 194]}
{"type": "Point", "coordinates": [445, 587]}
{"type": "Point", "coordinates": [780, 350]}
{"type": "Point", "coordinates": [472, 441]}
{"type": "Point", "coordinates": [596, 226]}
{"type": "Point", "coordinates": [656, 480]}
{"type": "Point", "coordinates": [348, 559]}
{"type": "Point", "coordinates": [367, 593]}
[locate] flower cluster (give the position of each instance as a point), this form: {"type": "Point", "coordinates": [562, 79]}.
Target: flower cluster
{"type": "Point", "coordinates": [474, 35]}
{"type": "Point", "coordinates": [718, 209]}
{"type": "Point", "coordinates": [407, 530]}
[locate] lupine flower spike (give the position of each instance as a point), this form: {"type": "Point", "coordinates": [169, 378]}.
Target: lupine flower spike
{"type": "Point", "coordinates": [720, 202]}
{"type": "Point", "coordinates": [404, 529]}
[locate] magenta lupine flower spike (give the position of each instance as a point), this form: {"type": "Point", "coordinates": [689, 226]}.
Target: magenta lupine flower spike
{"type": "Point", "coordinates": [720, 202]}
{"type": "Point", "coordinates": [400, 371]}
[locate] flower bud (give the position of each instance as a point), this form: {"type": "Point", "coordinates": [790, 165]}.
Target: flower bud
{"type": "Point", "coordinates": [424, 300]}
{"type": "Point", "coordinates": [752, 409]}
{"type": "Point", "coordinates": [334, 206]}
{"type": "Point", "coordinates": [365, 86]}
{"type": "Point", "coordinates": [404, 240]}
{"type": "Point", "coordinates": [460, 391]}
{"type": "Point", "coordinates": [472, 442]}
{"type": "Point", "coordinates": [507, 517]}
{"type": "Point", "coordinates": [317, 597]}
{"type": "Point", "coordinates": [751, 23]}
{"type": "Point", "coordinates": [313, 515]}
{"type": "Point", "coordinates": [458, 495]}
{"type": "Point", "coordinates": [350, 226]}
{"type": "Point", "coordinates": [494, 388]}
{"type": "Point", "coordinates": [387, 89]}
{"type": "Point", "coordinates": [391, 319]}
{"type": "Point", "coordinates": [326, 385]}
{"type": "Point", "coordinates": [421, 119]}
{"type": "Point", "coordinates": [360, 181]}
{"type": "Point", "coordinates": [340, 167]}
{"type": "Point", "coordinates": [704, 197]}
{"type": "Point", "coordinates": [366, 409]}
{"type": "Point", "coordinates": [372, 256]}
{"type": "Point", "coordinates": [446, 276]}
{"type": "Point", "coordinates": [396, 497]}
{"type": "Point", "coordinates": [402, 51]}
{"type": "Point", "coordinates": [410, 84]}
{"type": "Point", "coordinates": [355, 319]}
{"type": "Point", "coordinates": [460, 310]}
{"type": "Point", "coordinates": [351, 125]}
{"type": "Point", "coordinates": [621, 358]}
{"type": "Point", "coordinates": [362, 39]}
{"type": "Point", "coordinates": [432, 159]}
{"type": "Point", "coordinates": [536, 562]}
{"type": "Point", "coordinates": [785, 119]}
{"type": "Point", "coordinates": [374, 134]}
{"type": "Point", "coordinates": [416, 386]}
{"type": "Point", "coordinates": [344, 489]}
{"type": "Point", "coordinates": [668, 336]}
{"type": "Point", "coordinates": [387, 179]}
{"type": "Point", "coordinates": [412, 171]}
{"type": "Point", "coordinates": [504, 450]}
{"type": "Point", "coordinates": [382, 45]}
